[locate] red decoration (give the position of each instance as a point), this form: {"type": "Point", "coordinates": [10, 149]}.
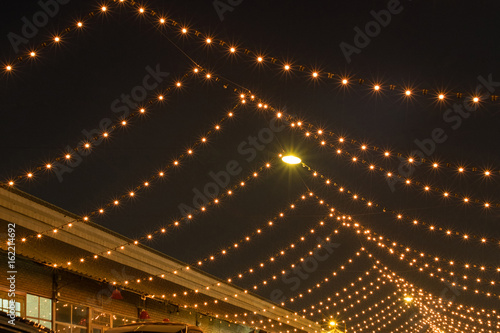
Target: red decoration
{"type": "Point", "coordinates": [116, 294]}
{"type": "Point", "coordinates": [144, 315]}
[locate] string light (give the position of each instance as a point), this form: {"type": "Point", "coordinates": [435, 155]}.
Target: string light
{"type": "Point", "coordinates": [422, 224]}
{"type": "Point", "coordinates": [173, 225]}
{"type": "Point", "coordinates": [36, 171]}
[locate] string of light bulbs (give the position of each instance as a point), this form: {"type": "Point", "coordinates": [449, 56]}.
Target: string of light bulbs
{"type": "Point", "coordinates": [391, 247]}
{"type": "Point", "coordinates": [363, 292]}
{"type": "Point", "coordinates": [448, 231]}
{"type": "Point", "coordinates": [182, 31]}
{"type": "Point", "coordinates": [449, 303]}
{"type": "Point", "coordinates": [160, 22]}
{"type": "Point", "coordinates": [421, 268]}
{"type": "Point", "coordinates": [345, 221]}
{"type": "Point", "coordinates": [226, 250]}
{"type": "Point", "coordinates": [432, 304]}
{"type": "Point", "coordinates": [28, 55]}
{"type": "Point", "coordinates": [274, 276]}
{"type": "Point", "coordinates": [409, 182]}
{"type": "Point", "coordinates": [85, 147]}
{"type": "Point", "coordinates": [163, 230]}
{"type": "Point", "coordinates": [459, 307]}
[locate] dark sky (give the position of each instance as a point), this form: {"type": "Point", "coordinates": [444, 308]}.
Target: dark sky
{"type": "Point", "coordinates": [76, 88]}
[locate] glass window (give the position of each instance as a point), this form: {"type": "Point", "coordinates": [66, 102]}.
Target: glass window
{"type": "Point", "coordinates": [101, 318]}
{"type": "Point", "coordinates": [71, 318]}
{"type": "Point", "coordinates": [20, 303]}
{"type": "Point", "coordinates": [39, 310]}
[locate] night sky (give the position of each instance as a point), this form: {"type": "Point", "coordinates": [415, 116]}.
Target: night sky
{"type": "Point", "coordinates": [108, 69]}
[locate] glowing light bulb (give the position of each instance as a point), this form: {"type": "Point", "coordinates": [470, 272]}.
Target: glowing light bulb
{"type": "Point", "coordinates": [79, 24]}
{"type": "Point", "coordinates": [195, 70]}
{"type": "Point", "coordinates": [87, 145]}
{"type": "Point", "coordinates": [141, 10]}
{"type": "Point", "coordinates": [30, 175]}
{"type": "Point", "coordinates": [290, 159]}
{"type": "Point", "coordinates": [178, 84]}
{"type": "Point", "coordinates": [124, 122]}
{"type": "Point", "coordinates": [376, 87]}
{"type": "Point", "coordinates": [435, 165]}
{"type": "Point", "coordinates": [209, 40]}
{"type": "Point", "coordinates": [344, 81]}
{"type": "Point", "coordinates": [287, 67]}
{"type": "Point", "coordinates": [162, 20]}
{"type": "Point", "coordinates": [232, 49]}
{"type": "Point", "coordinates": [260, 59]}
{"type": "Point", "coordinates": [160, 97]}
{"type": "Point", "coordinates": [32, 53]}
{"type": "Point", "coordinates": [208, 76]}
{"type": "Point", "coordinates": [441, 96]}
{"type": "Point", "coordinates": [184, 30]}
{"type": "Point", "coordinates": [475, 99]}
{"type": "Point", "coordinates": [142, 110]}
{"type": "Point", "coordinates": [408, 92]}
{"type": "Point", "coordinates": [8, 67]}
{"type": "Point", "coordinates": [315, 74]}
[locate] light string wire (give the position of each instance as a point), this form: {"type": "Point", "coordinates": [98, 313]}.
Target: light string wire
{"type": "Point", "coordinates": [132, 194]}
{"type": "Point", "coordinates": [242, 183]}
{"type": "Point", "coordinates": [432, 304]}
{"type": "Point", "coordinates": [320, 308]}
{"type": "Point", "coordinates": [419, 302]}
{"type": "Point", "coordinates": [28, 54]}
{"type": "Point", "coordinates": [159, 22]}
{"type": "Point", "coordinates": [390, 248]}
{"type": "Point", "coordinates": [225, 251]}
{"type": "Point", "coordinates": [357, 298]}
{"type": "Point", "coordinates": [459, 307]}
{"type": "Point", "coordinates": [334, 274]}
{"type": "Point", "coordinates": [372, 236]}
{"type": "Point", "coordinates": [127, 284]}
{"type": "Point", "coordinates": [409, 182]}
{"type": "Point", "coordinates": [87, 145]}
{"type": "Point", "coordinates": [159, 175]}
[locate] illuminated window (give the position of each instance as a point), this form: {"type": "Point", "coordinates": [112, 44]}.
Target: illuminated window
{"type": "Point", "coordinates": [71, 318]}
{"type": "Point", "coordinates": [39, 310]}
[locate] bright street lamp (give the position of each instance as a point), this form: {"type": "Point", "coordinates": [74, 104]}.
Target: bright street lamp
{"type": "Point", "coordinates": [408, 299]}
{"type": "Point", "coordinates": [290, 159]}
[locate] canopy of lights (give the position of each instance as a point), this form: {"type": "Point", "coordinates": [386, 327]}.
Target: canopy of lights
{"type": "Point", "coordinates": [347, 227]}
